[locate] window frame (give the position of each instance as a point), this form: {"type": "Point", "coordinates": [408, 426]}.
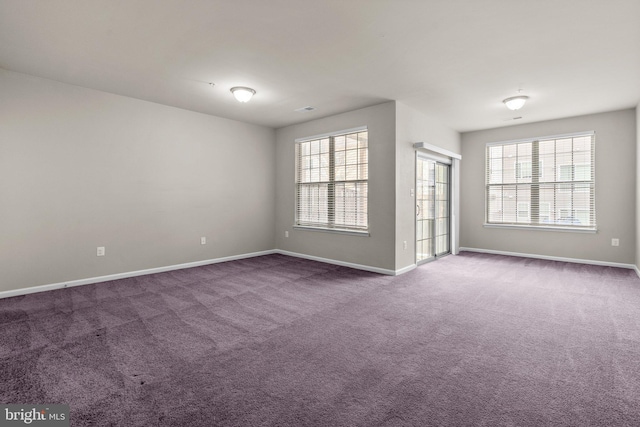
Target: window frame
{"type": "Point", "coordinates": [332, 225]}
{"type": "Point", "coordinates": [534, 187]}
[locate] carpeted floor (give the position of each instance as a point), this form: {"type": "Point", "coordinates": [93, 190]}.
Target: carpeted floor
{"type": "Point", "coordinates": [468, 340]}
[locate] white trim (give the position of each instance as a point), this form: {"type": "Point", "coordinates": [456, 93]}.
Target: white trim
{"type": "Point", "coordinates": [405, 269]}
{"type": "Point", "coordinates": [553, 258]}
{"type": "Point", "coordinates": [430, 156]}
{"type": "Point", "coordinates": [336, 133]}
{"type": "Point", "coordinates": [454, 225]}
{"type": "Point", "coordinates": [525, 226]}
{"type": "Point", "coordinates": [117, 276]}
{"type": "Point", "coordinates": [348, 264]}
{"type": "Point", "coordinates": [363, 233]}
{"type": "Point", "coordinates": [543, 138]}
{"type": "Point", "coordinates": [436, 149]}
{"type": "Point", "coordinates": [635, 267]}
{"type": "Point", "coordinates": [100, 279]}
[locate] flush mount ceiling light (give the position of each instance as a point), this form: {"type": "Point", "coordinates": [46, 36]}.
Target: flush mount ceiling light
{"type": "Point", "coordinates": [242, 94]}
{"type": "Point", "coordinates": [515, 102]}
{"type": "Point", "coordinates": [306, 109]}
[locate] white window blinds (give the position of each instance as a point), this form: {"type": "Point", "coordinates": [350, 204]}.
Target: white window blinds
{"type": "Point", "coordinates": [546, 182]}
{"type": "Point", "coordinates": [332, 175]}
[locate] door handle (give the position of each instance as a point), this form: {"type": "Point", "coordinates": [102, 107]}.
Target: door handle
{"type": "Point", "coordinates": [418, 213]}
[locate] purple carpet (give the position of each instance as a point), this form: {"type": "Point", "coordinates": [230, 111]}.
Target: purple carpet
{"type": "Point", "coordinates": [468, 340]}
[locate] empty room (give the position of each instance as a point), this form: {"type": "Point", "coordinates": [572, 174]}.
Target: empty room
{"type": "Point", "coordinates": [319, 213]}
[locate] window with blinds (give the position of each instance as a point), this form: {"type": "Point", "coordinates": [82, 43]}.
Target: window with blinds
{"type": "Point", "coordinates": [332, 175]}
{"type": "Point", "coordinates": [543, 182]}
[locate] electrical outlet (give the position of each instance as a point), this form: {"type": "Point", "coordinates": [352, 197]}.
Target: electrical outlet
{"type": "Point", "coordinates": [203, 240]}
{"type": "Point", "coordinates": [100, 251]}
{"type": "Point", "coordinates": [404, 245]}
{"type": "Point", "coordinates": [286, 234]}
{"type": "Point", "coordinates": [615, 242]}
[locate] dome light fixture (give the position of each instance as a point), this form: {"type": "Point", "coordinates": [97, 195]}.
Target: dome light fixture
{"type": "Point", "coordinates": [515, 102]}
{"type": "Point", "coordinates": [242, 94]}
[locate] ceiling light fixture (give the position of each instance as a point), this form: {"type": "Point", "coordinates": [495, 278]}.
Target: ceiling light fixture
{"type": "Point", "coordinates": [242, 94]}
{"type": "Point", "coordinates": [515, 102]}
{"type": "Point", "coordinates": [306, 109]}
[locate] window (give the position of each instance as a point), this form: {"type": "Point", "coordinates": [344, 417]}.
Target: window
{"type": "Point", "coordinates": [575, 172]}
{"type": "Point", "coordinates": [523, 170]}
{"type": "Point", "coordinates": [545, 212]}
{"type": "Point", "coordinates": [558, 193]}
{"type": "Point", "coordinates": [332, 175]}
{"type": "Point", "coordinates": [524, 215]}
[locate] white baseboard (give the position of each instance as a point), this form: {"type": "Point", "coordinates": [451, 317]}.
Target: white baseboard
{"type": "Point", "coordinates": [405, 269]}
{"type": "Point", "coordinates": [388, 272]}
{"type": "Point", "coordinates": [348, 264]}
{"type": "Point", "coordinates": [100, 279]}
{"type": "Point", "coordinates": [90, 280]}
{"type": "Point", "coordinates": [554, 258]}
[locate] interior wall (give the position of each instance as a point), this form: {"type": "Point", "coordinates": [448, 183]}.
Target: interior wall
{"type": "Point", "coordinates": [375, 250]}
{"type": "Point", "coordinates": [81, 168]}
{"type": "Point", "coordinates": [412, 126]}
{"type": "Point", "coordinates": [615, 170]}
{"type": "Point", "coordinates": [637, 263]}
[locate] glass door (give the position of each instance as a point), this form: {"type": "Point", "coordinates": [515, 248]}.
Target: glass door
{"type": "Point", "coordinates": [425, 212]}
{"type": "Point", "coordinates": [432, 209]}
{"type": "Point", "coordinates": [442, 204]}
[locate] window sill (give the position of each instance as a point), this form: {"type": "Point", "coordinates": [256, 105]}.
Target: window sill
{"type": "Point", "coordinates": [332, 230]}
{"type": "Point", "coordinates": [543, 228]}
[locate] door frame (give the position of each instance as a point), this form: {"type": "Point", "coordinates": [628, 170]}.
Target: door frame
{"type": "Point", "coordinates": [442, 155]}
{"type": "Point", "coordinates": [436, 161]}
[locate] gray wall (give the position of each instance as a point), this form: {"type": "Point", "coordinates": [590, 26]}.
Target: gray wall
{"type": "Point", "coordinates": [393, 128]}
{"type": "Point", "coordinates": [616, 141]}
{"type": "Point", "coordinates": [637, 262]}
{"type": "Point", "coordinates": [81, 168]}
{"type": "Point", "coordinates": [376, 250]}
{"type": "Point", "coordinates": [413, 126]}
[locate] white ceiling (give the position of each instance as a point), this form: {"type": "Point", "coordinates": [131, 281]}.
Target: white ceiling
{"type": "Point", "coordinates": [454, 60]}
